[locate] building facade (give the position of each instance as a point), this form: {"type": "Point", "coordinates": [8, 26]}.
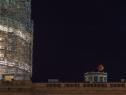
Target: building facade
{"type": "Point", "coordinates": [15, 39]}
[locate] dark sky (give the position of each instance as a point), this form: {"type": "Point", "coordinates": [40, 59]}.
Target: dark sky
{"type": "Point", "coordinates": [73, 37]}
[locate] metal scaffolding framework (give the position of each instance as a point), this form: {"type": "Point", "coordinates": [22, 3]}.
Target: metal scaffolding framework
{"type": "Point", "coordinates": [16, 38]}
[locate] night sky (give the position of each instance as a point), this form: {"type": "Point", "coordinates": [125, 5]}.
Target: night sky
{"type": "Point", "coordinates": [71, 38]}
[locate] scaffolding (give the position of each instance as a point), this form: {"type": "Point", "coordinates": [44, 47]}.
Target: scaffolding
{"type": "Point", "coordinates": [16, 31]}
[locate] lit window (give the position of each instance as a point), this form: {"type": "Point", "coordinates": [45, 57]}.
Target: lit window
{"type": "Point", "coordinates": [1, 38]}
{"type": "Point", "coordinates": [1, 55]}
{"type": "Point", "coordinates": [2, 47]}
{"type": "Point", "coordinates": [8, 77]}
{"type": "Point", "coordinates": [2, 71]}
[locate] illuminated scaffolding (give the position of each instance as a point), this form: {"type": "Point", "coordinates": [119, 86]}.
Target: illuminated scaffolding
{"type": "Point", "coordinates": [16, 38]}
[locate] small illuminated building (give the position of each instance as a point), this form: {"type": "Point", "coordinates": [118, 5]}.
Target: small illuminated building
{"type": "Point", "coordinates": [99, 76]}
{"type": "Point", "coordinates": [95, 77]}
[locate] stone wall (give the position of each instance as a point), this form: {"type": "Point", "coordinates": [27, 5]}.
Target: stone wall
{"type": "Point", "coordinates": [29, 88]}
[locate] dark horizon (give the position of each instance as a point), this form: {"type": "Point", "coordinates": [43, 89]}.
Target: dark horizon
{"type": "Point", "coordinates": [74, 37]}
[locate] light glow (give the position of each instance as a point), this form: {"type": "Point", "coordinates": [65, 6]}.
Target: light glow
{"type": "Point", "coordinates": [1, 38]}
{"type": "Point", "coordinates": [16, 31]}
{"type": "Point", "coordinates": [12, 64]}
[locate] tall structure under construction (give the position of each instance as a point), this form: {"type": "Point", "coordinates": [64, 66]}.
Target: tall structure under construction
{"type": "Point", "coordinates": [15, 39]}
